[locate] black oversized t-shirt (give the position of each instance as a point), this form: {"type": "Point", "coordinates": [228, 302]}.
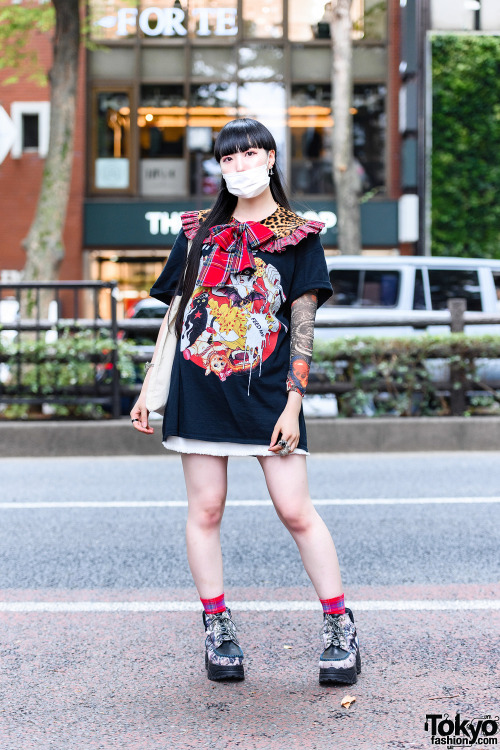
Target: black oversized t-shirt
{"type": "Point", "coordinates": [229, 374]}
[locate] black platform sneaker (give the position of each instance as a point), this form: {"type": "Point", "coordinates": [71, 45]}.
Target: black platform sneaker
{"type": "Point", "coordinates": [223, 655]}
{"type": "Point", "coordinates": [340, 661]}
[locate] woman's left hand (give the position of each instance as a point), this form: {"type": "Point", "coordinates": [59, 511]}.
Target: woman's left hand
{"type": "Point", "coordinates": [288, 425]}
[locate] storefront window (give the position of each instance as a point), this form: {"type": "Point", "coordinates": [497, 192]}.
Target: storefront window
{"type": "Point", "coordinates": [311, 20]}
{"type": "Point", "coordinates": [162, 119]}
{"type": "Point", "coordinates": [217, 63]}
{"type": "Point", "coordinates": [212, 106]}
{"type": "Point", "coordinates": [229, 74]}
{"type": "Point", "coordinates": [260, 63]}
{"type": "Point", "coordinates": [375, 20]}
{"type": "Point", "coordinates": [369, 129]}
{"type": "Point", "coordinates": [135, 274]}
{"type": "Point", "coordinates": [262, 19]}
{"type": "Point", "coordinates": [214, 100]}
{"type": "Point", "coordinates": [266, 101]}
{"type": "Point", "coordinates": [111, 141]}
{"type": "Point", "coordinates": [310, 122]}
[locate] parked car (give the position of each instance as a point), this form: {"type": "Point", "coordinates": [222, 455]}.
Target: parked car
{"type": "Point", "coordinates": [396, 285]}
{"type": "Point", "coordinates": [413, 286]}
{"type": "Point", "coordinates": [148, 308]}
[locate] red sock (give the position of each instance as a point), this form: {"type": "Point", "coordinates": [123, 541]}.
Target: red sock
{"type": "Point", "coordinates": [334, 606]}
{"type": "Point", "coordinates": [212, 606]}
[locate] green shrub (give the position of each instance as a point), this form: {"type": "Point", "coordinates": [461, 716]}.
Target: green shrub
{"type": "Point", "coordinates": [394, 376]}
{"type": "Point", "coordinates": [59, 372]}
{"type": "Point", "coordinates": [465, 145]}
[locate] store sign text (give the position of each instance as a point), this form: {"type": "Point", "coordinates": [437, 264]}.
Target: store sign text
{"type": "Point", "coordinates": [165, 222]}
{"type": "Point", "coordinates": [170, 21]}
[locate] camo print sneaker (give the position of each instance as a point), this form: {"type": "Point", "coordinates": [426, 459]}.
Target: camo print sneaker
{"type": "Point", "coordinates": [223, 655]}
{"type": "Point", "coordinates": [340, 661]}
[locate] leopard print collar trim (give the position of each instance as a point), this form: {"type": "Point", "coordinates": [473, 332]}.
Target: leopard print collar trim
{"type": "Point", "coordinates": [288, 227]}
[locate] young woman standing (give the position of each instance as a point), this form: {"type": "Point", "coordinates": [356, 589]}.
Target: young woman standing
{"type": "Point", "coordinates": [250, 285]}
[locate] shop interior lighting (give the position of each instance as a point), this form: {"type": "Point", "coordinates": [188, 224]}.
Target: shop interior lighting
{"type": "Point", "coordinates": [187, 110]}
{"type": "Point", "coordinates": [310, 122]}
{"type": "Point", "coordinates": [164, 122]}
{"type": "Point", "coordinates": [217, 117]}
{"type": "Point", "coordinates": [162, 110]}
{"type": "Point", "coordinates": [304, 111]}
{"type": "Point", "coordinates": [212, 111]}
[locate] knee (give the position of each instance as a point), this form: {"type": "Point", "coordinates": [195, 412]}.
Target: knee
{"type": "Point", "coordinates": [297, 519]}
{"type": "Point", "coordinates": [208, 512]}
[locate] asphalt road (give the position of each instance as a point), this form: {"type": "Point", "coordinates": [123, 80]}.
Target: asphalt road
{"type": "Point", "coordinates": [421, 577]}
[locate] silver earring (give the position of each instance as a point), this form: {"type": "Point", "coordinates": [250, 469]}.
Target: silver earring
{"type": "Point", "coordinates": [271, 171]}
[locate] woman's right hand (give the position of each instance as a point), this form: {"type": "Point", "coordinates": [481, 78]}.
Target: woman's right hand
{"type": "Point", "coordinates": [140, 413]}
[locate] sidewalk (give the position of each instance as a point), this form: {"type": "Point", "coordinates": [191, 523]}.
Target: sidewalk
{"type": "Point", "coordinates": [118, 437]}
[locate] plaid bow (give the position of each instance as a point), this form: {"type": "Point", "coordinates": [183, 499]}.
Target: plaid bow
{"type": "Point", "coordinates": [232, 251]}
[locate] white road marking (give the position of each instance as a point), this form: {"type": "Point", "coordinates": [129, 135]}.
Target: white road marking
{"type": "Point", "coordinates": [248, 606]}
{"type": "Point", "coordinates": [244, 503]}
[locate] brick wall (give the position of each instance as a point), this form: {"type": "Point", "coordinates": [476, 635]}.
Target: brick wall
{"type": "Point", "coordinates": [20, 179]}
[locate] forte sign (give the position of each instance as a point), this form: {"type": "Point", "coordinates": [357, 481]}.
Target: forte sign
{"type": "Point", "coordinates": [156, 21]}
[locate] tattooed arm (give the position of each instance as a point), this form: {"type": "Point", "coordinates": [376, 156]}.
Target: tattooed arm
{"type": "Point", "coordinates": [301, 344]}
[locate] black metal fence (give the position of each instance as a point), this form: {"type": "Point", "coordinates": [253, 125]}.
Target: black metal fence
{"type": "Point", "coordinates": [34, 318]}
{"type": "Point", "coordinates": [90, 308]}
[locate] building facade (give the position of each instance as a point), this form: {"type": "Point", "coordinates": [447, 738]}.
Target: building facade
{"type": "Point", "coordinates": [172, 74]}
{"type": "Point", "coordinates": [25, 111]}
{"type": "Point", "coordinates": [165, 78]}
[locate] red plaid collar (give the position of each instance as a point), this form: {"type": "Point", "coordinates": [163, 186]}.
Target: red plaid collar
{"type": "Point", "coordinates": [232, 250]}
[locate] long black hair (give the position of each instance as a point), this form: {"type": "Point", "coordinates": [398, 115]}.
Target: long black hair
{"type": "Point", "coordinates": [235, 136]}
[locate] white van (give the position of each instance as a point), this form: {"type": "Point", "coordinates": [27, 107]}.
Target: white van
{"type": "Point", "coordinates": [395, 285]}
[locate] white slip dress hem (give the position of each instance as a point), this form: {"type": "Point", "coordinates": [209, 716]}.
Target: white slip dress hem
{"type": "Point", "coordinates": [212, 448]}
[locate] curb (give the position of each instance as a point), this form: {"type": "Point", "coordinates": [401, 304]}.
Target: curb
{"type": "Point", "coordinates": [362, 435]}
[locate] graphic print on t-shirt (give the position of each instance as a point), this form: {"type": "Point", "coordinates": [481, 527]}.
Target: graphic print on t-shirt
{"type": "Point", "coordinates": [232, 329]}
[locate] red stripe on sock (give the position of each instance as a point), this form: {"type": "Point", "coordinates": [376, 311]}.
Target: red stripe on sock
{"type": "Point", "coordinates": [334, 606]}
{"type": "Point", "coordinates": [215, 605]}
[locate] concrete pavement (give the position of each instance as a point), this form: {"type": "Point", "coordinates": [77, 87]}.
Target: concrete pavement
{"type": "Point", "coordinates": [417, 539]}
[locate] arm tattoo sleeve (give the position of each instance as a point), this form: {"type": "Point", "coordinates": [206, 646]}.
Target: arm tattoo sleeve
{"type": "Point", "coordinates": [301, 344]}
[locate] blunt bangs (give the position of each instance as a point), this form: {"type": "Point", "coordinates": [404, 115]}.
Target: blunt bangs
{"type": "Point", "coordinates": [240, 135]}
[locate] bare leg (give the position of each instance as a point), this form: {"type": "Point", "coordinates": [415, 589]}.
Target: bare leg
{"type": "Point", "coordinates": [286, 479]}
{"type": "Point", "coordinates": [206, 485]}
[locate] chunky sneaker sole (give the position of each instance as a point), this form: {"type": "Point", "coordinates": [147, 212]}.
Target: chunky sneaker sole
{"type": "Point", "coordinates": [223, 655]}
{"type": "Point", "coordinates": [340, 663]}
{"type": "Point", "coordinates": [218, 672]}
{"type": "Point", "coordinates": [348, 676]}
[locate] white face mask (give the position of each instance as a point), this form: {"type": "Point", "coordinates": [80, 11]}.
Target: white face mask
{"type": "Point", "coordinates": [249, 183]}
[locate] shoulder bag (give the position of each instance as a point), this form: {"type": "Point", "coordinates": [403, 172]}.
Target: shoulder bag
{"type": "Point", "coordinates": [159, 377]}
